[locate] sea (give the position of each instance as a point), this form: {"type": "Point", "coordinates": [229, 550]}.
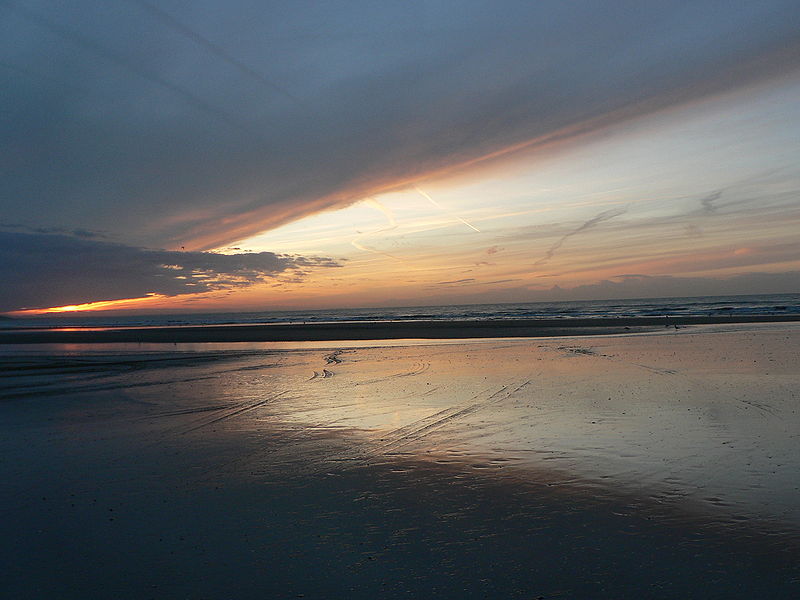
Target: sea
{"type": "Point", "coordinates": [772, 304]}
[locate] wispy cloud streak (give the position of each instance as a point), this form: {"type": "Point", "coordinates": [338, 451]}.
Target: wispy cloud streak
{"type": "Point", "coordinates": [357, 242]}
{"type": "Point", "coordinates": [708, 202]}
{"type": "Point", "coordinates": [443, 209]}
{"type": "Point", "coordinates": [606, 215]}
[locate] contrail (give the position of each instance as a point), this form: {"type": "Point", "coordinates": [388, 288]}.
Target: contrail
{"type": "Point", "coordinates": [123, 61]}
{"type": "Point", "coordinates": [387, 213]}
{"type": "Point", "coordinates": [596, 220]}
{"type": "Point", "coordinates": [215, 49]}
{"type": "Point", "coordinates": [443, 209]}
{"type": "Point", "coordinates": [392, 225]}
{"type": "Point", "coordinates": [360, 246]}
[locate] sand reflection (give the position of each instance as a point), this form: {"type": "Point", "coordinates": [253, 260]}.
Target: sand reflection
{"type": "Point", "coordinates": [651, 466]}
{"type": "Point", "coordinates": [706, 420]}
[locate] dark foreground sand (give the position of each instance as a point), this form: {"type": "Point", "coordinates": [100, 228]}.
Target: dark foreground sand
{"type": "Point", "coordinates": [279, 332]}
{"type": "Point", "coordinates": [641, 466]}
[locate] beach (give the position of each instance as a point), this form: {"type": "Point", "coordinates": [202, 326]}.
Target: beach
{"type": "Point", "coordinates": [400, 300]}
{"type": "Point", "coordinates": [589, 462]}
{"type": "Point", "coordinates": [373, 330]}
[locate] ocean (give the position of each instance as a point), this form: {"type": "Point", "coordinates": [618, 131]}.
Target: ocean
{"type": "Point", "coordinates": [772, 304]}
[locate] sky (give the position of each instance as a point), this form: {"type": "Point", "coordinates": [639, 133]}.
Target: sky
{"type": "Point", "coordinates": [247, 155]}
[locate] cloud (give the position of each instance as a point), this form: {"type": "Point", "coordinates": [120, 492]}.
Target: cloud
{"type": "Point", "coordinates": [41, 270]}
{"type": "Point", "coordinates": [391, 226]}
{"type": "Point", "coordinates": [708, 202]}
{"type": "Point", "coordinates": [177, 126]}
{"type": "Point", "coordinates": [693, 231]}
{"type": "Point", "coordinates": [79, 232]}
{"type": "Point", "coordinates": [455, 282]}
{"type": "Point", "coordinates": [499, 281]}
{"type": "Point", "coordinates": [629, 287]}
{"type": "Point", "coordinates": [606, 215]}
{"type": "Point", "coordinates": [663, 286]}
{"type": "Point", "coordinates": [675, 242]}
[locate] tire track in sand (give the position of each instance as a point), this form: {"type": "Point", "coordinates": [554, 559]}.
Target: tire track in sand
{"type": "Point", "coordinates": [238, 410]}
{"type": "Point", "coordinates": [417, 430]}
{"type": "Point", "coordinates": [416, 369]}
{"type": "Point", "coordinates": [330, 359]}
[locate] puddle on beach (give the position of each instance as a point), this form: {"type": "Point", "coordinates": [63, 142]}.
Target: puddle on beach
{"type": "Point", "coordinates": [696, 431]}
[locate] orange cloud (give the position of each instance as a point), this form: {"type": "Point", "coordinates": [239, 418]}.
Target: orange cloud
{"type": "Point", "coordinates": [90, 306]}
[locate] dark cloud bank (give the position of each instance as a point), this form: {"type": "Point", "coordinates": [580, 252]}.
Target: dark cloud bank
{"type": "Point", "coordinates": [195, 124]}
{"type": "Point", "coordinates": [39, 270]}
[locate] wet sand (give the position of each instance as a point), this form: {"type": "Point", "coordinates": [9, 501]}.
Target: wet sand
{"type": "Point", "coordinates": [659, 466]}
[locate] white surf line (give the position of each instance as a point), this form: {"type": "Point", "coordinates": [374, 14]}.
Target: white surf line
{"type": "Point", "coordinates": [443, 209]}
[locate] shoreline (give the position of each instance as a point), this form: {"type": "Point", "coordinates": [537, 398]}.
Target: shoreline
{"type": "Point", "coordinates": [332, 331]}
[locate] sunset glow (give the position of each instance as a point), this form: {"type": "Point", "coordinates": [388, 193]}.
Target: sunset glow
{"type": "Point", "coordinates": [385, 299]}
{"type": "Point", "coordinates": [91, 306]}
{"type": "Point", "coordinates": [515, 165]}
